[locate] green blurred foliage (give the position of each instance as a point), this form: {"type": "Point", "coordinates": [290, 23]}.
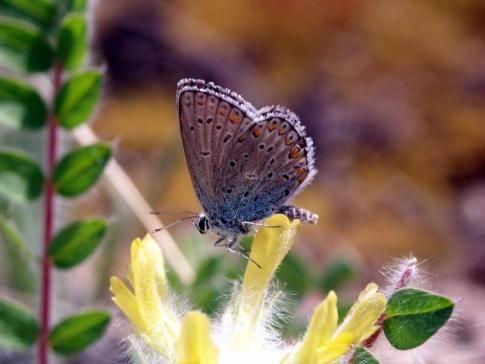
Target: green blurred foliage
{"type": "Point", "coordinates": [21, 106]}
{"type": "Point", "coordinates": [19, 328]}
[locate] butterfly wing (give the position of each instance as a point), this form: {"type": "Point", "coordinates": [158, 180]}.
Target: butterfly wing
{"type": "Point", "coordinates": [267, 164]}
{"type": "Point", "coordinates": [210, 116]}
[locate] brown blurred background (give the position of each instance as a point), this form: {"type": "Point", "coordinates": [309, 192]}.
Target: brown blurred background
{"type": "Point", "coordinates": [392, 92]}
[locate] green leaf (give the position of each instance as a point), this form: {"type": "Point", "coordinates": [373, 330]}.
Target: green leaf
{"type": "Point", "coordinates": [339, 272]}
{"type": "Point", "coordinates": [413, 316]}
{"type": "Point", "coordinates": [76, 332]}
{"type": "Point", "coordinates": [78, 170]}
{"type": "Point", "coordinates": [23, 46]}
{"type": "Point", "coordinates": [18, 326]}
{"type": "Point", "coordinates": [19, 257]}
{"type": "Point", "coordinates": [72, 41]}
{"type": "Point", "coordinates": [294, 273]}
{"type": "Point", "coordinates": [20, 105]}
{"type": "Point", "coordinates": [363, 356]}
{"type": "Point", "coordinates": [21, 178]}
{"type": "Point", "coordinates": [40, 12]}
{"type": "Point", "coordinates": [76, 242]}
{"type": "Point", "coordinates": [77, 98]}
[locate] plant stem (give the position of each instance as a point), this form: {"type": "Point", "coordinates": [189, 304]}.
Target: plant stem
{"type": "Point", "coordinates": [48, 225]}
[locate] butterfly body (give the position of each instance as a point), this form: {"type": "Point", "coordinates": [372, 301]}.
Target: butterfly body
{"type": "Point", "coordinates": [245, 163]}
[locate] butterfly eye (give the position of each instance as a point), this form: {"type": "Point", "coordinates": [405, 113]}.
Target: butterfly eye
{"type": "Point", "coordinates": [203, 225]}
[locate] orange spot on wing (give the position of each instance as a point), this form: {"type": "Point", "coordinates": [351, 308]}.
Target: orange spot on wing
{"type": "Point", "coordinates": [283, 128]}
{"type": "Point", "coordinates": [258, 130]}
{"type": "Point", "coordinates": [290, 139]}
{"type": "Point", "coordinates": [273, 124]}
{"type": "Point", "coordinates": [295, 152]}
{"type": "Point", "coordinates": [235, 116]}
{"type": "Point", "coordinates": [301, 173]}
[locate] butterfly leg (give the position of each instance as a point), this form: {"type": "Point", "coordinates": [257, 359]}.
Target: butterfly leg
{"type": "Point", "coordinates": [247, 224]}
{"type": "Point", "coordinates": [234, 248]}
{"type": "Point", "coordinates": [220, 240]}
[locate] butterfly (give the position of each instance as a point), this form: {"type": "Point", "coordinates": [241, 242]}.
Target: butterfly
{"type": "Point", "coordinates": [245, 164]}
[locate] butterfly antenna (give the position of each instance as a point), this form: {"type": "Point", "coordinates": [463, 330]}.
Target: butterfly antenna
{"type": "Point", "coordinates": [173, 212]}
{"type": "Point", "coordinates": [174, 223]}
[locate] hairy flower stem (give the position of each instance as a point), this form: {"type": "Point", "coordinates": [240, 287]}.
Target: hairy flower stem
{"type": "Point", "coordinates": [403, 281]}
{"type": "Point", "coordinates": [48, 225]}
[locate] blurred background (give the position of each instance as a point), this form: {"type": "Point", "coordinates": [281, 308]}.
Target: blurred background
{"type": "Point", "coordinates": [393, 94]}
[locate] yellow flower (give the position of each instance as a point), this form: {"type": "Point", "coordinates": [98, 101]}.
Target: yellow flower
{"type": "Point", "coordinates": [244, 332]}
{"type": "Point", "coordinates": [194, 345]}
{"type": "Point", "coordinates": [324, 342]}
{"type": "Point", "coordinates": [148, 307]}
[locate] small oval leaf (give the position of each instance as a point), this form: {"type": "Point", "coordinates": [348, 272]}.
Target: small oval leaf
{"type": "Point", "coordinates": [19, 328]}
{"type": "Point", "coordinates": [23, 46]}
{"type": "Point", "coordinates": [76, 332]}
{"type": "Point", "coordinates": [363, 356]}
{"type": "Point", "coordinates": [413, 316]}
{"type": "Point", "coordinates": [21, 260]}
{"type": "Point", "coordinates": [77, 98]}
{"type": "Point", "coordinates": [78, 170]}
{"type": "Point", "coordinates": [21, 178]}
{"type": "Point", "coordinates": [21, 105]}
{"type": "Point", "coordinates": [72, 41]}
{"type": "Point", "coordinates": [40, 12]}
{"type": "Point", "coordinates": [76, 242]}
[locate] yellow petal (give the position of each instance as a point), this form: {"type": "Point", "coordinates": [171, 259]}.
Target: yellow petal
{"type": "Point", "coordinates": [321, 328]}
{"type": "Point", "coordinates": [161, 324]}
{"type": "Point", "coordinates": [158, 262]}
{"type": "Point", "coordinates": [364, 313]}
{"type": "Point", "coordinates": [194, 345]}
{"type": "Point", "coordinates": [334, 349]}
{"type": "Point", "coordinates": [126, 301]}
{"type": "Point", "coordinates": [270, 245]}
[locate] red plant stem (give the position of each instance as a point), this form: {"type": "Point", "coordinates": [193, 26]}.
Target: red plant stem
{"type": "Point", "coordinates": [48, 226]}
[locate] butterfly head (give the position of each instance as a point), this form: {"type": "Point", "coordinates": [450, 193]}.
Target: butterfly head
{"type": "Point", "coordinates": [202, 224]}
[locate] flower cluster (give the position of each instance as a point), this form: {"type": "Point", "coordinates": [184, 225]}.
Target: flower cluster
{"type": "Point", "coordinates": [244, 331]}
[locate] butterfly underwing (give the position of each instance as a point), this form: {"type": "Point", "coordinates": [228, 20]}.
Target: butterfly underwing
{"type": "Point", "coordinates": [245, 164]}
